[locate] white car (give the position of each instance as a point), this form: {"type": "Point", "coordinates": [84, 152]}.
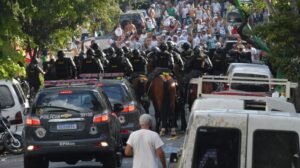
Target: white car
{"type": "Point", "coordinates": [15, 103]}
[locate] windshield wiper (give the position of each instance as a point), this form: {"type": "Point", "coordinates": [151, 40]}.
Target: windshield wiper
{"type": "Point", "coordinates": [58, 107]}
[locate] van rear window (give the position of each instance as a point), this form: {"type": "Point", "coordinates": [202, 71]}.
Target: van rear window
{"type": "Point", "coordinates": [275, 149]}
{"type": "Point", "coordinates": [6, 99]}
{"type": "Point", "coordinates": [217, 147]}
{"type": "Point", "coordinates": [250, 87]}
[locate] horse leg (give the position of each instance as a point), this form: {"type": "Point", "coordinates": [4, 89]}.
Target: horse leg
{"type": "Point", "coordinates": [165, 107]}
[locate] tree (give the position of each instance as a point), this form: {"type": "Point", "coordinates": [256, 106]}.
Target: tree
{"type": "Point", "coordinates": [10, 59]}
{"type": "Point", "coordinates": [283, 37]}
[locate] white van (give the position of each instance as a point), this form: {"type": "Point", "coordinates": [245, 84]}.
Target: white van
{"type": "Point", "coordinates": [15, 103]}
{"type": "Point", "coordinates": [240, 139]}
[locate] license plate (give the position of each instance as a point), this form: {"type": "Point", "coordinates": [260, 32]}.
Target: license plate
{"type": "Point", "coordinates": [66, 126]}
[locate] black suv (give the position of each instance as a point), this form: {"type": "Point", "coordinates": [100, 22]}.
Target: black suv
{"type": "Point", "coordinates": [121, 92]}
{"type": "Point", "coordinates": [72, 123]}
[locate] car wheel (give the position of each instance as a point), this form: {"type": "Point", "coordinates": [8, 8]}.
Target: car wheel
{"type": "Point", "coordinates": [35, 162]}
{"type": "Point", "coordinates": [110, 161]}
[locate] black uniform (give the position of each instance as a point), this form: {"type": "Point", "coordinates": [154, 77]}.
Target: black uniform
{"type": "Point", "coordinates": [91, 65]}
{"type": "Point", "coordinates": [119, 63]}
{"type": "Point", "coordinates": [138, 63]}
{"type": "Point", "coordinates": [64, 67]}
{"type": "Point", "coordinates": [187, 52]}
{"type": "Point", "coordinates": [33, 71]}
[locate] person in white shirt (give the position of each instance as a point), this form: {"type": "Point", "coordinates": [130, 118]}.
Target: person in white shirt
{"type": "Point", "coordinates": [145, 146]}
{"type": "Point", "coordinates": [196, 41]}
{"type": "Point", "coordinates": [216, 7]}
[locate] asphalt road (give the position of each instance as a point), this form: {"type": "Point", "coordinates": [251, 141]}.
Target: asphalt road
{"type": "Point", "coordinates": [172, 144]}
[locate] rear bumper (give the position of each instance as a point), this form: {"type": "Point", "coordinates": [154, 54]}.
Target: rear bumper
{"type": "Point", "coordinates": [129, 123]}
{"type": "Point", "coordinates": [70, 149]}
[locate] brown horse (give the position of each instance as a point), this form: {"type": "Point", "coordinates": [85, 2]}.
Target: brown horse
{"type": "Point", "coordinates": [139, 84]}
{"type": "Point", "coordinates": [163, 94]}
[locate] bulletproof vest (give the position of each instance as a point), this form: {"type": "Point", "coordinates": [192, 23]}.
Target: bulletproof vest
{"type": "Point", "coordinates": [186, 55]}
{"type": "Point", "coordinates": [90, 65]}
{"type": "Point", "coordinates": [138, 64]}
{"type": "Point", "coordinates": [163, 61]}
{"type": "Point", "coordinates": [116, 65]}
{"type": "Point", "coordinates": [63, 68]}
{"type": "Point", "coordinates": [196, 63]}
{"type": "Point", "coordinates": [32, 72]}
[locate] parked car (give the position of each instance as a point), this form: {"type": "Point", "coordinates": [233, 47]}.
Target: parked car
{"type": "Point", "coordinates": [12, 95]}
{"type": "Point", "coordinates": [240, 138]}
{"type": "Point", "coordinates": [72, 123]}
{"type": "Point", "coordinates": [121, 91]}
{"type": "Point", "coordinates": [137, 18]}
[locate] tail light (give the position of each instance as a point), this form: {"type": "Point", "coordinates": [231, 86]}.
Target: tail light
{"type": "Point", "coordinates": [124, 131]}
{"type": "Point", "coordinates": [66, 92]}
{"type": "Point", "coordinates": [18, 119]}
{"type": "Point", "coordinates": [31, 121]}
{"type": "Point", "coordinates": [100, 118]}
{"type": "Point", "coordinates": [129, 108]}
{"type": "Point", "coordinates": [32, 148]}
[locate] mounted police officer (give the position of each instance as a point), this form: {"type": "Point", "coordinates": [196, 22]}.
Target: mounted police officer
{"type": "Point", "coordinates": [33, 71]}
{"type": "Point", "coordinates": [186, 51]}
{"type": "Point", "coordinates": [163, 61]}
{"type": "Point", "coordinates": [64, 67]}
{"type": "Point", "coordinates": [91, 64]}
{"type": "Point", "coordinates": [119, 63]}
{"type": "Point", "coordinates": [177, 58]}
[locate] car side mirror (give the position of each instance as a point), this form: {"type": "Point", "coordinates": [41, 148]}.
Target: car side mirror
{"type": "Point", "coordinates": [118, 108]}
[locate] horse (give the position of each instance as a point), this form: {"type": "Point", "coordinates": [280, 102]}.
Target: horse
{"type": "Point", "coordinates": [139, 83]}
{"type": "Point", "coordinates": [163, 95]}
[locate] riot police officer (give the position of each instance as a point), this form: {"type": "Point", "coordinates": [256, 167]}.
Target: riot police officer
{"type": "Point", "coordinates": [91, 64]}
{"type": "Point", "coordinates": [119, 63]}
{"type": "Point", "coordinates": [100, 54]}
{"type": "Point", "coordinates": [110, 52]}
{"type": "Point", "coordinates": [127, 52]}
{"type": "Point", "coordinates": [138, 62]}
{"type": "Point", "coordinates": [64, 67]}
{"type": "Point", "coordinates": [177, 58]}
{"type": "Point", "coordinates": [33, 71]}
{"type": "Point", "coordinates": [187, 52]}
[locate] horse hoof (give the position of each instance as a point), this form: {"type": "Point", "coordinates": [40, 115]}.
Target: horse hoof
{"type": "Point", "coordinates": [173, 132]}
{"type": "Point", "coordinates": [162, 132]}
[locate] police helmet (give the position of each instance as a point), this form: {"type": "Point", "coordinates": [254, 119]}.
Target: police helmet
{"type": "Point", "coordinates": [110, 51]}
{"type": "Point", "coordinates": [197, 51]}
{"type": "Point", "coordinates": [126, 49]}
{"type": "Point", "coordinates": [90, 52]}
{"type": "Point", "coordinates": [99, 53]}
{"type": "Point", "coordinates": [95, 46]}
{"type": "Point", "coordinates": [185, 46]}
{"type": "Point", "coordinates": [163, 46]}
{"type": "Point", "coordinates": [60, 54]}
{"type": "Point", "coordinates": [136, 52]}
{"type": "Point", "coordinates": [155, 49]}
{"type": "Point", "coordinates": [171, 45]}
{"type": "Point", "coordinates": [119, 52]}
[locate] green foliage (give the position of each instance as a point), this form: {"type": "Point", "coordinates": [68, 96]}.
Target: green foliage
{"type": "Point", "coordinates": [283, 38]}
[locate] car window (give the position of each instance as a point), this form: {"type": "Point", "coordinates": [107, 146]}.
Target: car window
{"type": "Point", "coordinates": [19, 94]}
{"type": "Point", "coordinates": [6, 98]}
{"type": "Point", "coordinates": [77, 100]}
{"type": "Point", "coordinates": [275, 149]}
{"type": "Point", "coordinates": [250, 87]}
{"type": "Point", "coordinates": [217, 147]}
{"type": "Point", "coordinates": [115, 92]}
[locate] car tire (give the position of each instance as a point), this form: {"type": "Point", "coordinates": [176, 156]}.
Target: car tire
{"type": "Point", "coordinates": [110, 161]}
{"type": "Point", "coordinates": [35, 162]}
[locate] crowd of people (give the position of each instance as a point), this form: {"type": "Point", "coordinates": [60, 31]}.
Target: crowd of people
{"type": "Point", "coordinates": [187, 33]}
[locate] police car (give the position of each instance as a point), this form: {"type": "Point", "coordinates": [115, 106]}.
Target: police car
{"type": "Point", "coordinates": [72, 121]}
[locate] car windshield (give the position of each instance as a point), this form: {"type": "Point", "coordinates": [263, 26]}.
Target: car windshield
{"type": "Point", "coordinates": [115, 92]}
{"type": "Point", "coordinates": [72, 100]}
{"type": "Point", "coordinates": [250, 87]}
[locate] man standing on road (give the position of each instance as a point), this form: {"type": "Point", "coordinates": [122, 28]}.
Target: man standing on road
{"type": "Point", "coordinates": [145, 146]}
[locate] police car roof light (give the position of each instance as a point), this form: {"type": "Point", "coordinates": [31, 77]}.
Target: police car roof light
{"type": "Point", "coordinates": [70, 82]}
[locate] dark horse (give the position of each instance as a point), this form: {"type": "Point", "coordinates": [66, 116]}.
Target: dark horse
{"type": "Point", "coordinates": [163, 94]}
{"type": "Point", "coordinates": [139, 83]}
